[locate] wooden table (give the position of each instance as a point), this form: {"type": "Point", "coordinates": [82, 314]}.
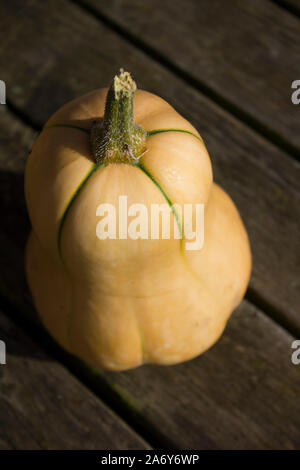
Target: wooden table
{"type": "Point", "coordinates": [227, 69]}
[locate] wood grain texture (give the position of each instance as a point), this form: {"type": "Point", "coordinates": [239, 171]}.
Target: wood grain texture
{"type": "Point", "coordinates": [242, 394]}
{"type": "Point", "coordinates": [245, 52]}
{"type": "Point", "coordinates": [44, 407]}
{"type": "Point", "coordinates": [71, 53]}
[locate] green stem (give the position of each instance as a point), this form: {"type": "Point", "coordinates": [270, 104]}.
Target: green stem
{"type": "Point", "coordinates": [116, 138]}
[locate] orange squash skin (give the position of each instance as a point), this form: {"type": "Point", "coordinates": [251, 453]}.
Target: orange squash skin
{"type": "Point", "coordinates": [117, 304]}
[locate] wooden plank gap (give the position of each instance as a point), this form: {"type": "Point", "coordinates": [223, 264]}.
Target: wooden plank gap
{"type": "Point", "coordinates": [257, 300]}
{"type": "Point", "coordinates": [292, 6]}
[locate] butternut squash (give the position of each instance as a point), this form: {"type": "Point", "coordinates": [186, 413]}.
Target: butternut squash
{"type": "Point", "coordinates": [117, 303]}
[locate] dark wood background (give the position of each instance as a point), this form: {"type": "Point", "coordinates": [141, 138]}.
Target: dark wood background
{"type": "Point", "coordinates": [228, 68]}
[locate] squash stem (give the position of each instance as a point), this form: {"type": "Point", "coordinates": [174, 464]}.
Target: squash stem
{"type": "Point", "coordinates": [116, 138]}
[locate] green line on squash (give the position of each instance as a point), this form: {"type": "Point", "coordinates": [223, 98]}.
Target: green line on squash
{"type": "Point", "coordinates": [149, 133]}
{"type": "Point", "coordinates": [72, 199]}
{"type": "Point", "coordinates": [141, 167]}
{"type": "Point", "coordinates": [159, 131]}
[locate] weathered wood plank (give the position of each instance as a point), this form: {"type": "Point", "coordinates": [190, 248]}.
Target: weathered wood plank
{"type": "Point", "coordinates": [243, 393]}
{"type": "Point", "coordinates": [73, 53]}
{"type": "Point", "coordinates": [244, 52]}
{"type": "Point", "coordinates": [44, 407]}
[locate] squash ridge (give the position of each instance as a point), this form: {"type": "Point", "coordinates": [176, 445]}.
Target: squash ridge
{"type": "Point", "coordinates": [72, 199]}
